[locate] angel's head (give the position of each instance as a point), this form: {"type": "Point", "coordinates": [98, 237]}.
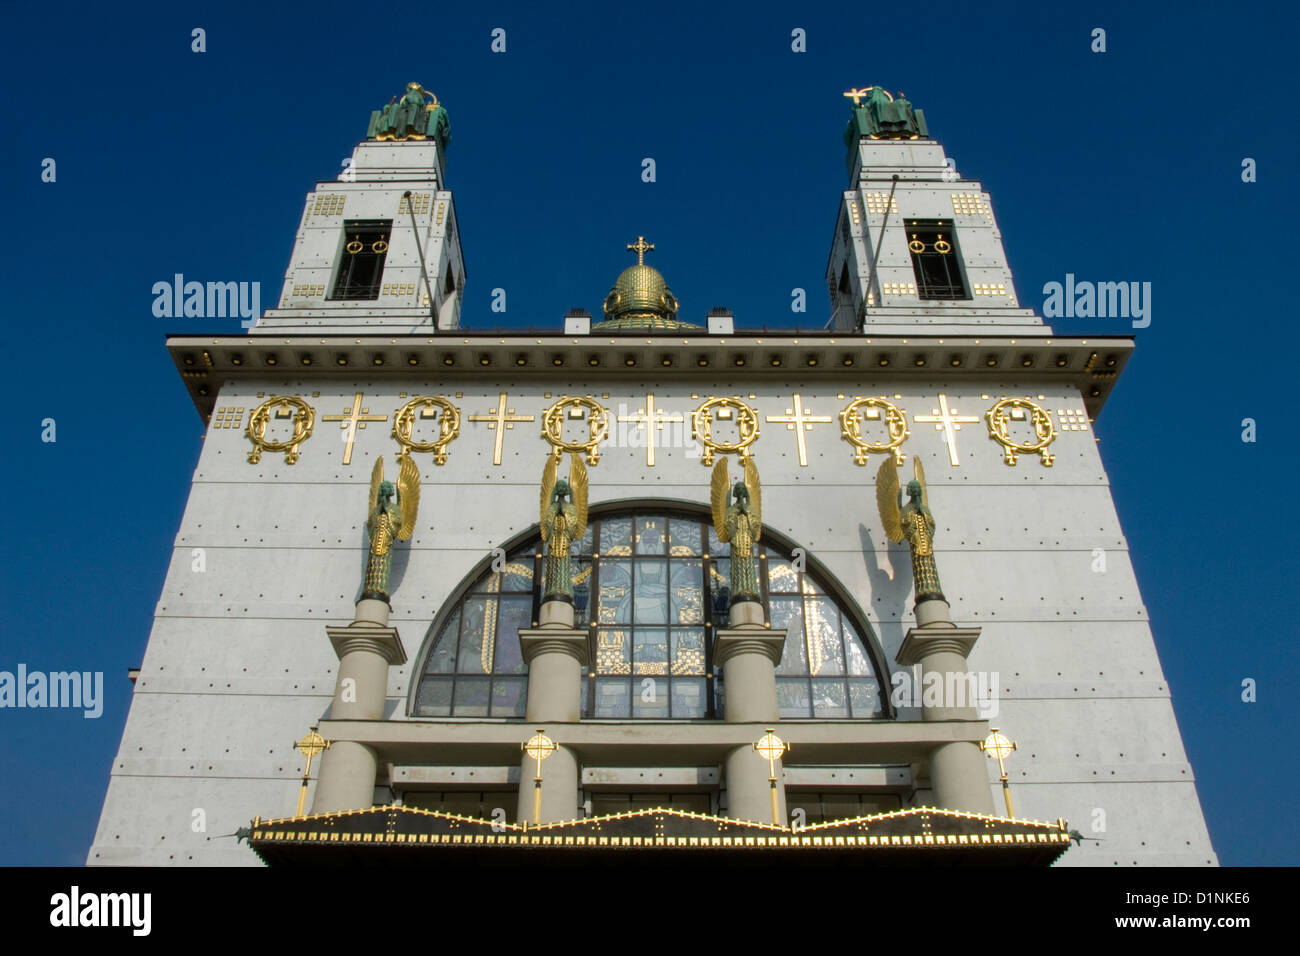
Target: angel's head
{"type": "Point", "coordinates": [561, 491]}
{"type": "Point", "coordinates": [914, 489]}
{"type": "Point", "coordinates": [386, 492]}
{"type": "Point", "coordinates": [741, 494]}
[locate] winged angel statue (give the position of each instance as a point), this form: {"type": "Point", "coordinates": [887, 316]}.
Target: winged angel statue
{"type": "Point", "coordinates": [389, 521]}
{"type": "Point", "coordinates": [739, 525]}
{"type": "Point", "coordinates": [912, 521]}
{"type": "Point", "coordinates": [564, 520]}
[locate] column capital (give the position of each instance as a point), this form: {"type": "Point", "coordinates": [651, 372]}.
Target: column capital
{"type": "Point", "coordinates": [728, 642]}
{"type": "Point", "coordinates": [922, 642]}
{"type": "Point", "coordinates": [572, 641]}
{"type": "Point", "coordinates": [359, 636]}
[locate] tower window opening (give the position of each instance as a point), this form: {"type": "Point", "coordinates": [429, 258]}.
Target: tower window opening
{"type": "Point", "coordinates": [361, 262]}
{"type": "Point", "coordinates": [935, 259]}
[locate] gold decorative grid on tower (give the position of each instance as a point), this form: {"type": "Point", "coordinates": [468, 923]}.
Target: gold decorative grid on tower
{"type": "Point", "coordinates": [969, 204]}
{"type": "Point", "coordinates": [876, 203]}
{"type": "Point", "coordinates": [329, 205]}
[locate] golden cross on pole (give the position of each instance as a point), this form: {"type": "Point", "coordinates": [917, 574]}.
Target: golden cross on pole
{"type": "Point", "coordinates": [350, 421]}
{"type": "Point", "coordinates": [949, 422]}
{"type": "Point", "coordinates": [640, 247]}
{"type": "Point", "coordinates": [856, 94]}
{"type": "Point", "coordinates": [996, 745]}
{"type": "Point", "coordinates": [800, 421]}
{"type": "Point", "coordinates": [770, 747]}
{"type": "Point", "coordinates": [539, 747]}
{"type": "Point", "coordinates": [653, 420]}
{"type": "Point", "coordinates": [500, 420]}
{"type": "Point", "coordinates": [309, 747]}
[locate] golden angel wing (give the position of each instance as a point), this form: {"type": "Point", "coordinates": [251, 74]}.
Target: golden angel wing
{"type": "Point", "coordinates": [719, 493]}
{"type": "Point", "coordinates": [887, 499]}
{"type": "Point", "coordinates": [376, 478]}
{"type": "Point", "coordinates": [755, 490]}
{"type": "Point", "coordinates": [548, 485]}
{"type": "Point", "coordinates": [918, 472]}
{"type": "Point", "coordinates": [408, 496]}
{"type": "Point", "coordinates": [578, 482]}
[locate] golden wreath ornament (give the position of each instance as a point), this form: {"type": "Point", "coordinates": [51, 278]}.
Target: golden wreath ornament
{"type": "Point", "coordinates": [851, 428]}
{"type": "Point", "coordinates": [702, 427]}
{"type": "Point", "coordinates": [1044, 430]}
{"type": "Point", "coordinates": [304, 418]}
{"type": "Point", "coordinates": [448, 416]}
{"type": "Point", "coordinates": [597, 417]}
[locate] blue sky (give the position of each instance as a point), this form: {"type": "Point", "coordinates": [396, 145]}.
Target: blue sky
{"type": "Point", "coordinates": [1123, 165]}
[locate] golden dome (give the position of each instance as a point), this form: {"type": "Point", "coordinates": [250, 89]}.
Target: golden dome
{"type": "Point", "coordinates": [640, 298]}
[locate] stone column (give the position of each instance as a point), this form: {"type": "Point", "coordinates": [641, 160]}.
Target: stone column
{"type": "Point", "coordinates": [748, 654]}
{"type": "Point", "coordinates": [556, 653]}
{"type": "Point", "coordinates": [366, 649]}
{"type": "Point", "coordinates": [958, 774]}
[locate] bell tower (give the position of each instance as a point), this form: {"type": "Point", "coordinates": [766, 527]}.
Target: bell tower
{"type": "Point", "coordinates": [916, 247]}
{"type": "Point", "coordinates": [377, 250]}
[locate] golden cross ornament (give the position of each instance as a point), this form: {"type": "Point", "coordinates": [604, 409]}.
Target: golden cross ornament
{"type": "Point", "coordinates": [949, 422]}
{"type": "Point", "coordinates": [352, 419]}
{"type": "Point", "coordinates": [652, 419]}
{"type": "Point", "coordinates": [770, 747]}
{"type": "Point", "coordinates": [501, 419]}
{"type": "Point", "coordinates": [539, 747]}
{"type": "Point", "coordinates": [309, 746]}
{"type": "Point", "coordinates": [800, 420]}
{"type": "Point", "coordinates": [640, 247]}
{"type": "Point", "coordinates": [998, 746]}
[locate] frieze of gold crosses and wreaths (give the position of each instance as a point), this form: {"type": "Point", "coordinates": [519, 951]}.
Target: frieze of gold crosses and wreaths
{"type": "Point", "coordinates": [854, 418]}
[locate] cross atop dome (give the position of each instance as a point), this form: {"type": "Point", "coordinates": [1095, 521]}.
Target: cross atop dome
{"type": "Point", "coordinates": [640, 247]}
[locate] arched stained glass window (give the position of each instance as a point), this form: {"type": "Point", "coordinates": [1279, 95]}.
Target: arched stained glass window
{"type": "Point", "coordinates": [651, 589]}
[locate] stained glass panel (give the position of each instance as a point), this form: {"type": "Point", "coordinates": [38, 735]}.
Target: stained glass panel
{"type": "Point", "coordinates": [615, 599]}
{"type": "Point", "coordinates": [822, 621]}
{"type": "Point", "coordinates": [683, 537]}
{"type": "Point", "coordinates": [471, 698]}
{"type": "Point", "coordinates": [516, 613]}
{"type": "Point", "coordinates": [651, 534]}
{"type": "Point", "coordinates": [688, 650]}
{"type": "Point", "coordinates": [781, 575]}
{"type": "Point", "coordinates": [478, 622]}
{"type": "Point", "coordinates": [688, 697]}
{"type": "Point", "coordinates": [509, 696]}
{"type": "Point", "coordinates": [611, 697]}
{"type": "Point", "coordinates": [616, 537]}
{"type": "Point", "coordinates": [787, 614]}
{"type": "Point", "coordinates": [792, 697]}
{"type": "Point", "coordinates": [613, 651]}
{"type": "Point", "coordinates": [651, 592]}
{"type": "Point", "coordinates": [686, 592]}
{"type": "Point", "coordinates": [442, 660]}
{"type": "Point", "coordinates": [650, 651]}
{"type": "Point", "coordinates": [434, 697]}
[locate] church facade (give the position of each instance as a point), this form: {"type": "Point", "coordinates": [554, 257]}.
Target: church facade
{"type": "Point", "coordinates": [858, 593]}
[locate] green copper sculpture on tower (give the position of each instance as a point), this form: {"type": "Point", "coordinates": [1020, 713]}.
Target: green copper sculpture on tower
{"type": "Point", "coordinates": [564, 520]}
{"type": "Point", "coordinates": [882, 116]}
{"type": "Point", "coordinates": [411, 118]}
{"type": "Point", "coordinates": [739, 524]}
{"type": "Point", "coordinates": [912, 521]}
{"type": "Point", "coordinates": [389, 521]}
